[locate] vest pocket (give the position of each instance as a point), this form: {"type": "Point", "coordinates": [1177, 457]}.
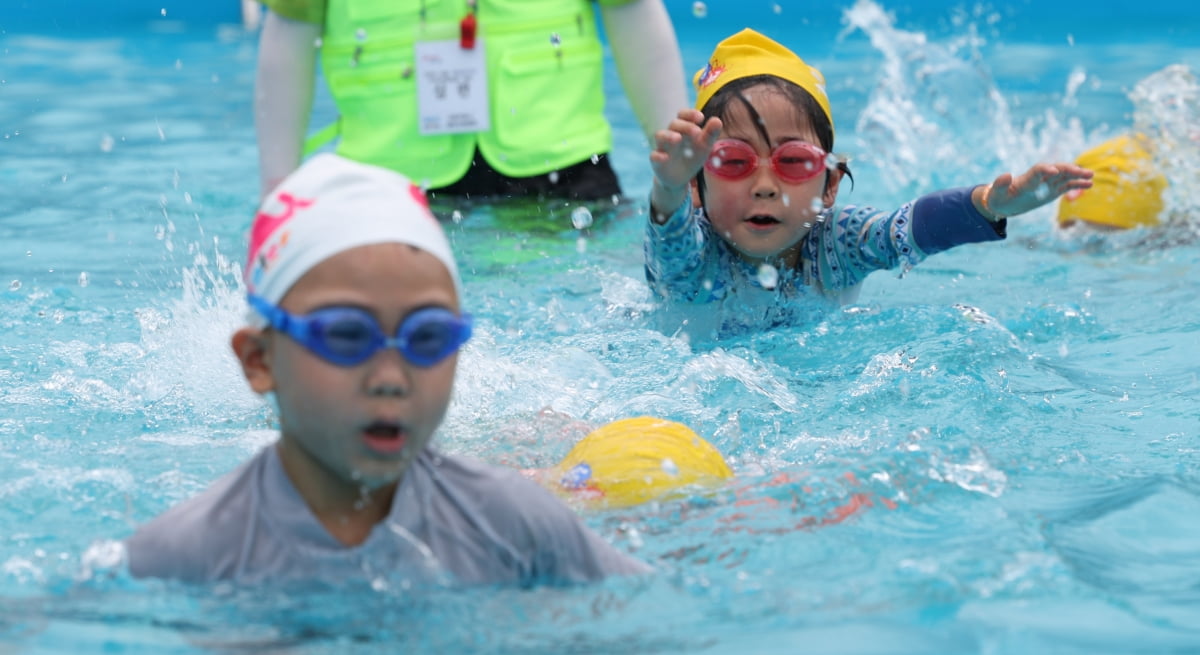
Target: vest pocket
{"type": "Point", "coordinates": [548, 104]}
{"type": "Point", "coordinates": [378, 111]}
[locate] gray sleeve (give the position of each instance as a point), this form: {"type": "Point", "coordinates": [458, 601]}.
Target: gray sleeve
{"type": "Point", "coordinates": [200, 539]}
{"type": "Point", "coordinates": [565, 549]}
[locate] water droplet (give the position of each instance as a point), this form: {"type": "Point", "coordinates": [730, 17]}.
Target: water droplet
{"type": "Point", "coordinates": [581, 218]}
{"type": "Point", "coordinates": [1042, 192]}
{"type": "Point", "coordinates": [831, 161]}
{"type": "Point", "coordinates": [318, 42]}
{"type": "Point", "coordinates": [178, 64]}
{"type": "Point", "coordinates": [816, 204]}
{"type": "Point", "coordinates": [360, 35]}
{"type": "Point", "coordinates": [768, 276]}
{"type": "Point", "coordinates": [669, 466]}
{"type": "Point", "coordinates": [595, 159]}
{"type": "Point", "coordinates": [555, 40]}
{"type": "Point", "coordinates": [776, 8]}
{"type": "Point", "coordinates": [164, 11]}
{"type": "Point", "coordinates": [787, 200]}
{"type": "Point", "coordinates": [456, 216]}
{"type": "Point", "coordinates": [616, 199]}
{"type": "Point", "coordinates": [581, 245]}
{"type": "Point", "coordinates": [553, 177]}
{"type": "Point", "coordinates": [106, 143]}
{"type": "Point", "coordinates": [1071, 40]}
{"type": "Point", "coordinates": [688, 152]}
{"type": "Point", "coordinates": [14, 285]}
{"type": "Point", "coordinates": [699, 9]}
{"type": "Point", "coordinates": [83, 279]}
{"type": "Point", "coordinates": [707, 284]}
{"type": "Point", "coordinates": [187, 197]}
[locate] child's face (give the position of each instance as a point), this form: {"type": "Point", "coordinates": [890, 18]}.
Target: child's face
{"type": "Point", "coordinates": [761, 216]}
{"type": "Point", "coordinates": [355, 427]}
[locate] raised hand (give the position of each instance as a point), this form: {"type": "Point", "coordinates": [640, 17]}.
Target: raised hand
{"type": "Point", "coordinates": [1041, 184]}
{"type": "Point", "coordinates": [679, 154]}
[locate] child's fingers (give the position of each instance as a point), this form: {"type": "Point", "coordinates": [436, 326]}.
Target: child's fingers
{"type": "Point", "coordinates": [1002, 186]}
{"type": "Point", "coordinates": [711, 131]}
{"type": "Point", "coordinates": [1069, 176]}
{"type": "Point", "coordinates": [664, 139]}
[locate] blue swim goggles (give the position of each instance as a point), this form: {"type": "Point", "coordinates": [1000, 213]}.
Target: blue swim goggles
{"type": "Point", "coordinates": [348, 336]}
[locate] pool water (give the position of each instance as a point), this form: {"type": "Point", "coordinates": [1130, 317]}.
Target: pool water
{"type": "Point", "coordinates": [995, 452]}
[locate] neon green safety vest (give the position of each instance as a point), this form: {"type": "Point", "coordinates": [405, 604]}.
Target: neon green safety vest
{"type": "Point", "coordinates": [545, 76]}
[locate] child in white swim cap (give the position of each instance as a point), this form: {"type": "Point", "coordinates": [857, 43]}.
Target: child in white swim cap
{"type": "Point", "coordinates": [357, 333]}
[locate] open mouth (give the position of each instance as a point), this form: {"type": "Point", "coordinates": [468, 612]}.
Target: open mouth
{"type": "Point", "coordinates": [762, 220]}
{"type": "Point", "coordinates": [385, 437]}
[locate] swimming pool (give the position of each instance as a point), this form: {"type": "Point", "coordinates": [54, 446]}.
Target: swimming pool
{"type": "Point", "coordinates": [1028, 408]}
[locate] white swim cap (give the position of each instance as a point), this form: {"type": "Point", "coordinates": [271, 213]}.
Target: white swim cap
{"type": "Point", "coordinates": [331, 204]}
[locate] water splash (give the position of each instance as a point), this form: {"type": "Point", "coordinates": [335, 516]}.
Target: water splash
{"type": "Point", "coordinates": [929, 97]}
{"type": "Point", "coordinates": [1167, 109]}
{"type": "Point", "coordinates": [581, 218]}
{"type": "Point", "coordinates": [768, 276]}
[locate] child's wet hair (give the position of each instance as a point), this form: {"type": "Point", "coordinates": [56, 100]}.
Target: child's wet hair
{"type": "Point", "coordinates": [722, 103]}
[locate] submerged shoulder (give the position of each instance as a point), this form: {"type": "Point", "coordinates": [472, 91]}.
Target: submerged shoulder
{"type": "Point", "coordinates": [193, 539]}
{"type": "Point", "coordinates": [547, 539]}
{"type": "Point", "coordinates": [508, 499]}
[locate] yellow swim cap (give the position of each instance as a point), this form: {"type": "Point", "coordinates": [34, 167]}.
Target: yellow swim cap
{"type": "Point", "coordinates": [634, 460]}
{"type": "Point", "coordinates": [749, 53]}
{"type": "Point", "coordinates": [1126, 190]}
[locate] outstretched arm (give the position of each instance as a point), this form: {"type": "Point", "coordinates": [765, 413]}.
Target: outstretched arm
{"type": "Point", "coordinates": [283, 95]}
{"type": "Point", "coordinates": [1042, 184]}
{"type": "Point", "coordinates": [679, 154]}
{"type": "Point", "coordinates": [646, 53]}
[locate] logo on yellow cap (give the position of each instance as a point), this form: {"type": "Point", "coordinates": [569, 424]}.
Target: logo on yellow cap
{"type": "Point", "coordinates": [747, 54]}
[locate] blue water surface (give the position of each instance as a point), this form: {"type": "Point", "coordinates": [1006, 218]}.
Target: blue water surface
{"type": "Point", "coordinates": [995, 452]}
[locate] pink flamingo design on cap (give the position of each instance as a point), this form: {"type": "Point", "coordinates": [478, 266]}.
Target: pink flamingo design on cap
{"type": "Point", "coordinates": [266, 224]}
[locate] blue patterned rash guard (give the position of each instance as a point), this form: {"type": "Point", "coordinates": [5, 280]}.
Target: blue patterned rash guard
{"type": "Point", "coordinates": [698, 275]}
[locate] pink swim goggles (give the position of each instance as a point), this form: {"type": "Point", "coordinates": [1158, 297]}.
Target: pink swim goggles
{"type": "Point", "coordinates": [793, 161]}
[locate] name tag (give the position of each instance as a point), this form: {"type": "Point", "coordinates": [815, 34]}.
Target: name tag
{"type": "Point", "coordinates": [452, 88]}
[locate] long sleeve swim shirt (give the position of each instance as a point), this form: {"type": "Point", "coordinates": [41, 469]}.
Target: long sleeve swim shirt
{"type": "Point", "coordinates": [453, 520]}
{"type": "Point", "coordinates": [689, 267]}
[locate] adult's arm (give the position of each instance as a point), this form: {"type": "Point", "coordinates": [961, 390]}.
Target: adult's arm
{"type": "Point", "coordinates": [283, 95]}
{"type": "Point", "coordinates": [646, 53]}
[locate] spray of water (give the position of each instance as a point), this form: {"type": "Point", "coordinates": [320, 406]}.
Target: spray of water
{"type": "Point", "coordinates": [936, 117]}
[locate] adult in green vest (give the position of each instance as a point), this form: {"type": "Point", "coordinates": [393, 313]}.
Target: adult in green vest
{"type": "Point", "coordinates": [467, 97]}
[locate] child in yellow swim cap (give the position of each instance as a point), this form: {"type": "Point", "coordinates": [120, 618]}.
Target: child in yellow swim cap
{"type": "Point", "coordinates": [1126, 190]}
{"type": "Point", "coordinates": [1135, 171]}
{"type": "Point", "coordinates": [635, 460]}
{"type": "Point", "coordinates": [744, 229]}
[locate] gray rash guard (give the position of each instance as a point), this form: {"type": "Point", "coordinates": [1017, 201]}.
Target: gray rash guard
{"type": "Point", "coordinates": [453, 521]}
